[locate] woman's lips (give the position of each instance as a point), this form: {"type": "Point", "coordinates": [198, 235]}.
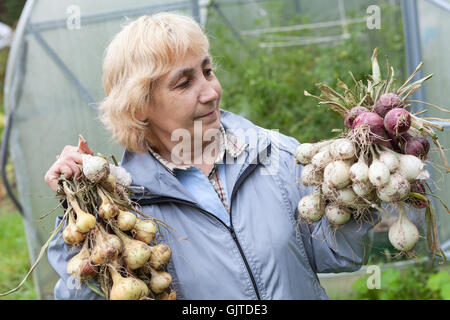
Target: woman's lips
{"type": "Point", "coordinates": [208, 114]}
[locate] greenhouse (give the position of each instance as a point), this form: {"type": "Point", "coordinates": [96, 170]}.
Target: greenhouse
{"type": "Point", "coordinates": [267, 52]}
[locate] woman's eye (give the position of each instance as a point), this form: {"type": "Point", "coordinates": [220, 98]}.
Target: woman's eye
{"type": "Point", "coordinates": [208, 72]}
{"type": "Point", "coordinates": [184, 84]}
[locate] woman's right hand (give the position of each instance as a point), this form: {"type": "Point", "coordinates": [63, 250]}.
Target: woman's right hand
{"type": "Point", "coordinates": [67, 163]}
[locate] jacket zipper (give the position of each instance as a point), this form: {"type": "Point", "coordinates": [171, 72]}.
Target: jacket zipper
{"type": "Point", "coordinates": [230, 228]}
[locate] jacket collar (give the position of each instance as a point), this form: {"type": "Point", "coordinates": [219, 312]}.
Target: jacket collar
{"type": "Point", "coordinates": [157, 181]}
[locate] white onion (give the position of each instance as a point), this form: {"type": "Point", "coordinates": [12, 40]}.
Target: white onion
{"type": "Point", "coordinates": [337, 174]}
{"type": "Point", "coordinates": [123, 177]}
{"type": "Point", "coordinates": [342, 149]}
{"type": "Point", "coordinates": [328, 191]}
{"type": "Point", "coordinates": [337, 215]}
{"type": "Point", "coordinates": [359, 172]}
{"type": "Point", "coordinates": [410, 166]}
{"type": "Point", "coordinates": [95, 168]}
{"type": "Point", "coordinates": [322, 158]}
{"type": "Point", "coordinates": [305, 152]}
{"type": "Point", "coordinates": [362, 189]}
{"type": "Point", "coordinates": [390, 160]}
{"type": "Point", "coordinates": [403, 234]}
{"type": "Point", "coordinates": [311, 176]}
{"type": "Point", "coordinates": [311, 207]}
{"type": "Point", "coordinates": [346, 197]}
{"type": "Point", "coordinates": [378, 173]}
{"type": "Point", "coordinates": [396, 189]}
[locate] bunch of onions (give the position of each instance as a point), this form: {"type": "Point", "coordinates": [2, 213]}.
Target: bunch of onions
{"type": "Point", "coordinates": [377, 159]}
{"type": "Point", "coordinates": [118, 245]}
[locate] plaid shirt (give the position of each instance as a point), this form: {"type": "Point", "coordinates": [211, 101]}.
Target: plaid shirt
{"type": "Point", "coordinates": [228, 144]}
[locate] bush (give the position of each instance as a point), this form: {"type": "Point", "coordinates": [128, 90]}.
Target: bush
{"type": "Point", "coordinates": [267, 85]}
{"type": "Point", "coordinates": [10, 11]}
{"type": "Point", "coordinates": [423, 281]}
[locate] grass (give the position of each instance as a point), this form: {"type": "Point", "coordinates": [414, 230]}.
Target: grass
{"type": "Point", "coordinates": [14, 259]}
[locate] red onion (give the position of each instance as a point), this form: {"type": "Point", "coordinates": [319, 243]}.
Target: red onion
{"type": "Point", "coordinates": [397, 121]}
{"type": "Point", "coordinates": [414, 146]}
{"type": "Point", "coordinates": [352, 114]}
{"type": "Point", "coordinates": [387, 102]}
{"type": "Point", "coordinates": [396, 142]}
{"type": "Point", "coordinates": [376, 126]}
{"type": "Point", "coordinates": [425, 143]}
{"type": "Point", "coordinates": [417, 187]}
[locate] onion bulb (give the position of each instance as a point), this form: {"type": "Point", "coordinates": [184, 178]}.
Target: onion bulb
{"type": "Point", "coordinates": [362, 189]}
{"type": "Point", "coordinates": [311, 207]}
{"type": "Point", "coordinates": [306, 151]}
{"type": "Point", "coordinates": [122, 176]}
{"type": "Point", "coordinates": [84, 220]}
{"type": "Point", "coordinates": [108, 209]}
{"type": "Point", "coordinates": [359, 171]}
{"type": "Point", "coordinates": [167, 296]}
{"type": "Point", "coordinates": [397, 120]}
{"type": "Point", "coordinates": [321, 159]}
{"type": "Point", "coordinates": [95, 168]}
{"type": "Point", "coordinates": [311, 176]}
{"type": "Point", "coordinates": [79, 265]}
{"type": "Point", "coordinates": [160, 281]}
{"type": "Point", "coordinates": [390, 160]}
{"type": "Point", "coordinates": [403, 234]}
{"type": "Point", "coordinates": [126, 288]}
{"type": "Point", "coordinates": [328, 191]}
{"type": "Point", "coordinates": [342, 149]}
{"type": "Point", "coordinates": [160, 256]}
{"type": "Point", "coordinates": [145, 230]}
{"type": "Point", "coordinates": [106, 247]}
{"type": "Point", "coordinates": [387, 102]}
{"type": "Point", "coordinates": [337, 215]}
{"type": "Point", "coordinates": [337, 174]}
{"type": "Point", "coordinates": [125, 220]}
{"type": "Point", "coordinates": [397, 189]}
{"type": "Point", "coordinates": [346, 197]}
{"type": "Point", "coordinates": [352, 114]}
{"type": "Point", "coordinates": [410, 166]}
{"type": "Point", "coordinates": [110, 183]}
{"type": "Point", "coordinates": [135, 252]}
{"type": "Point", "coordinates": [71, 234]}
{"type": "Point", "coordinates": [379, 174]}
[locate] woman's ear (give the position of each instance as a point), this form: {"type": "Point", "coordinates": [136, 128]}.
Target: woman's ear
{"type": "Point", "coordinates": [141, 116]}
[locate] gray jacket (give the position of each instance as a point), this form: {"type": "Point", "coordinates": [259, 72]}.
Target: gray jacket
{"type": "Point", "coordinates": [264, 253]}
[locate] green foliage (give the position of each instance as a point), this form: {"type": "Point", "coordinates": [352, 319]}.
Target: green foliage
{"type": "Point", "coordinates": [14, 259]}
{"type": "Point", "coordinates": [267, 85]}
{"type": "Point", "coordinates": [10, 11]}
{"type": "Point", "coordinates": [423, 281]}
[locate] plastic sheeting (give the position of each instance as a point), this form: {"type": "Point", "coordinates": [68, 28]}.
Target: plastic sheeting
{"type": "Point", "coordinates": [53, 82]}
{"type": "Point", "coordinates": [434, 24]}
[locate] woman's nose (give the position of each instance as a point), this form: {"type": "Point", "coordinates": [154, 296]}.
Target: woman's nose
{"type": "Point", "coordinates": [209, 93]}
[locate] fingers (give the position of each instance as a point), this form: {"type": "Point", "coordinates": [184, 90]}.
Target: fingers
{"type": "Point", "coordinates": [52, 176]}
{"type": "Point", "coordinates": [83, 148]}
{"type": "Point", "coordinates": [67, 164]}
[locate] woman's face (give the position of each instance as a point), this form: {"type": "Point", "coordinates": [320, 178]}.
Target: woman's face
{"type": "Point", "coordinates": [188, 95]}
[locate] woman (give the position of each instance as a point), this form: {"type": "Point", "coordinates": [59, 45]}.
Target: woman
{"type": "Point", "coordinates": [230, 189]}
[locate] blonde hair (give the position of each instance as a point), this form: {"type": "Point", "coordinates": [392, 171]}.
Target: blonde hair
{"type": "Point", "coordinates": [136, 58]}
